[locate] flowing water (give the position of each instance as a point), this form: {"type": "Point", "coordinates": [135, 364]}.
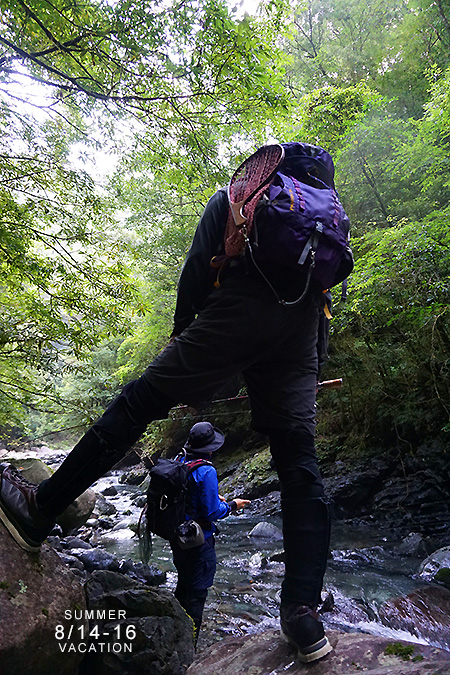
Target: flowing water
{"type": "Point", "coordinates": [363, 574]}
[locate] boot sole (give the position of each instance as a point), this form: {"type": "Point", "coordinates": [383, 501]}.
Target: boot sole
{"type": "Point", "coordinates": [32, 547]}
{"type": "Point", "coordinates": [315, 651]}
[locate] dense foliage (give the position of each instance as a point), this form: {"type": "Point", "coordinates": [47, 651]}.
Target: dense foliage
{"type": "Point", "coordinates": [173, 96]}
{"type": "Point", "coordinates": [162, 87]}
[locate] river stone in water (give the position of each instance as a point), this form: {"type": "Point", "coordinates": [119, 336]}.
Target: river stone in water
{"type": "Point", "coordinates": [74, 542]}
{"type": "Point", "coordinates": [109, 491]}
{"type": "Point", "coordinates": [412, 546]}
{"type": "Point", "coordinates": [103, 507]}
{"type": "Point", "coordinates": [435, 563]}
{"type": "Point", "coordinates": [266, 531]}
{"type": "Point", "coordinates": [266, 653]}
{"type": "Point", "coordinates": [96, 559]}
{"type": "Point", "coordinates": [134, 477]}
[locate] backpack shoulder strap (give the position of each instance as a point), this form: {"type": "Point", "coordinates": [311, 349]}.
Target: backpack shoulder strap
{"type": "Point", "coordinates": [195, 464]}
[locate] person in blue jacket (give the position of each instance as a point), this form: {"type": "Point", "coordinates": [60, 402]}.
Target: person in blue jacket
{"type": "Point", "coordinates": [221, 330]}
{"type": "Point", "coordinates": [196, 566]}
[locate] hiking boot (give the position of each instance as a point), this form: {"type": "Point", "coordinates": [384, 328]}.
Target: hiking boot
{"type": "Point", "coordinates": [19, 511]}
{"type": "Point", "coordinates": [302, 628]}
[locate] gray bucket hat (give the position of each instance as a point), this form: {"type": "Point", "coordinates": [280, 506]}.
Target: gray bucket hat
{"type": "Point", "coordinates": [204, 438]}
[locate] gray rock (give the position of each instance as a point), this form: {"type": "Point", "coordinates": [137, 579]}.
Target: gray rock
{"type": "Point", "coordinates": [74, 542]}
{"type": "Point", "coordinates": [435, 562]}
{"type": "Point", "coordinates": [143, 572]}
{"type": "Point", "coordinates": [266, 531]}
{"type": "Point", "coordinates": [54, 542]}
{"type": "Point", "coordinates": [96, 559]}
{"type": "Point", "coordinates": [35, 591]}
{"type": "Point", "coordinates": [92, 522]}
{"type": "Point", "coordinates": [105, 582]}
{"type": "Point", "coordinates": [140, 501]}
{"type": "Point", "coordinates": [124, 523]}
{"type": "Point", "coordinates": [109, 491]}
{"type": "Point", "coordinates": [266, 653]}
{"type": "Point", "coordinates": [161, 630]}
{"type": "Point", "coordinates": [351, 491]}
{"type": "Point", "coordinates": [78, 513]}
{"type": "Point", "coordinates": [278, 556]}
{"type": "Point", "coordinates": [106, 523]}
{"type": "Point", "coordinates": [103, 507]}
{"type": "Point", "coordinates": [412, 546]}
{"type": "Point", "coordinates": [134, 477]}
{"type": "Point", "coordinates": [71, 561]}
{"type": "Point", "coordinates": [33, 469]}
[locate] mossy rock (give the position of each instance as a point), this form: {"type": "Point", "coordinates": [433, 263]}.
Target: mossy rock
{"type": "Point", "coordinates": [252, 478]}
{"type": "Point", "coordinates": [442, 576]}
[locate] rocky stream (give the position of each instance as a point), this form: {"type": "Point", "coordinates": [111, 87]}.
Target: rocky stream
{"type": "Point", "coordinates": [387, 589]}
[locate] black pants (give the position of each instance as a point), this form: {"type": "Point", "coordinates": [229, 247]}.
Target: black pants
{"type": "Point", "coordinates": [196, 568]}
{"type": "Point", "coordinates": [242, 329]}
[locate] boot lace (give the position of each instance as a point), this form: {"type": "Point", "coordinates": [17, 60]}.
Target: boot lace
{"type": "Point", "coordinates": [19, 478]}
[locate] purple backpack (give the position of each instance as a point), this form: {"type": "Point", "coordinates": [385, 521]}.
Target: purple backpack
{"type": "Point", "coordinates": [300, 221]}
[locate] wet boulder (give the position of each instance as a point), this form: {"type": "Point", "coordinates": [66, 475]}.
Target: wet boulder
{"type": "Point", "coordinates": [352, 490]}
{"type": "Point", "coordinates": [74, 542]}
{"type": "Point", "coordinates": [353, 653]}
{"type": "Point", "coordinates": [437, 567]}
{"type": "Point", "coordinates": [124, 523]}
{"type": "Point", "coordinates": [105, 523]}
{"type": "Point", "coordinates": [419, 501]}
{"type": "Point", "coordinates": [404, 496]}
{"type": "Point", "coordinates": [252, 478]}
{"type": "Point", "coordinates": [140, 501]}
{"type": "Point", "coordinates": [33, 469]}
{"type": "Point", "coordinates": [269, 505]}
{"type": "Point", "coordinates": [71, 561]}
{"type": "Point", "coordinates": [344, 558]}
{"type": "Point", "coordinates": [424, 612]}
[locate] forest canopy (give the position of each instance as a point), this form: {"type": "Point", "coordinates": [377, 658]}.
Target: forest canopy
{"type": "Point", "coordinates": [119, 120]}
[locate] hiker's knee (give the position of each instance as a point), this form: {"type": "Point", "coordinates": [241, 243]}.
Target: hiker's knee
{"type": "Point", "coordinates": [127, 417]}
{"type": "Point", "coordinates": [295, 460]}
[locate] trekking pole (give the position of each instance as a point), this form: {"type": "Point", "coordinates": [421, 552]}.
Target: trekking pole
{"type": "Point", "coordinates": [325, 384]}
{"type": "Point", "coordinates": [330, 384]}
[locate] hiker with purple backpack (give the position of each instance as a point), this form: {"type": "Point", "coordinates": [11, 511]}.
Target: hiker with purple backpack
{"type": "Point", "coordinates": [254, 310]}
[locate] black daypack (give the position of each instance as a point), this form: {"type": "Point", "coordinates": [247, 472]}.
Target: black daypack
{"type": "Point", "coordinates": [165, 511]}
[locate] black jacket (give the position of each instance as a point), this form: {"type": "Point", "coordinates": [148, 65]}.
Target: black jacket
{"type": "Point", "coordinates": [197, 276]}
